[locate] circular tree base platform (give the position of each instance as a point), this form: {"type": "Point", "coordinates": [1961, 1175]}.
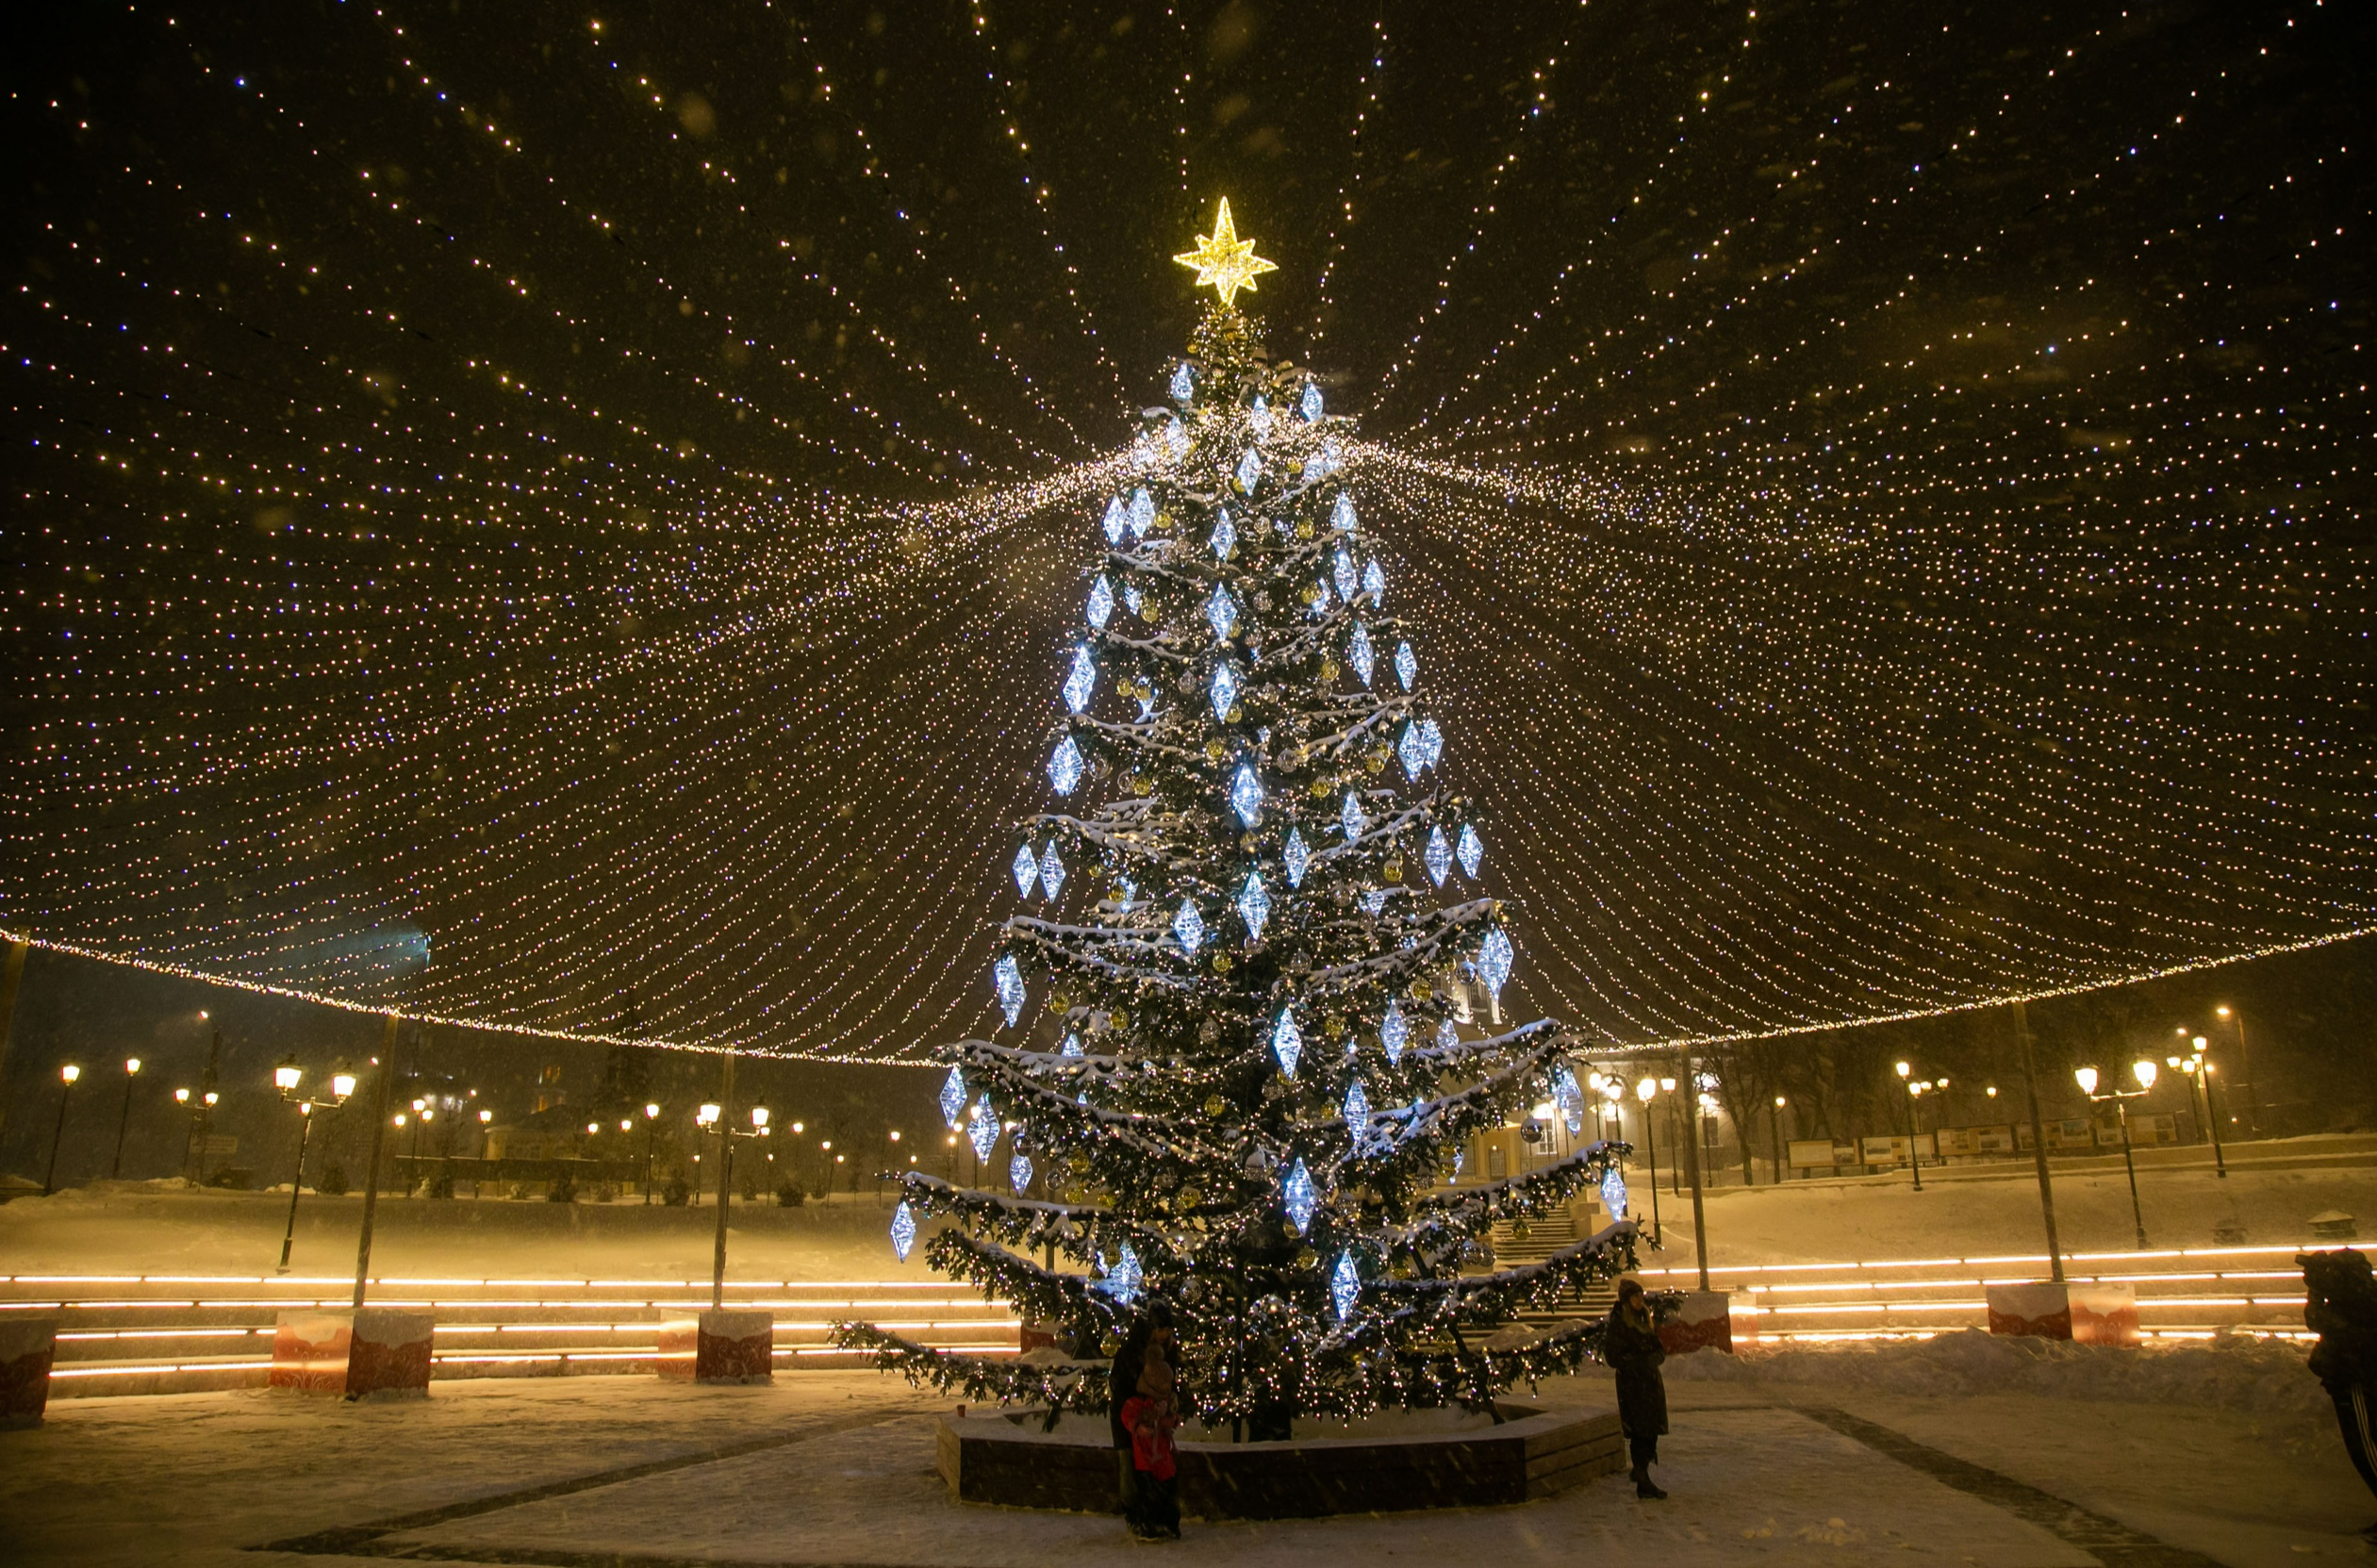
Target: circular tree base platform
{"type": "Point", "coordinates": [1391, 1463]}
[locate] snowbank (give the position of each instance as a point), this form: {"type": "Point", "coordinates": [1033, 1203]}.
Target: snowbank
{"type": "Point", "coordinates": [2260, 1376]}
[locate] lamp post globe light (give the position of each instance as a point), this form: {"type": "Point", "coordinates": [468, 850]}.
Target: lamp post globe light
{"type": "Point", "coordinates": [1646, 1090]}
{"type": "Point", "coordinates": [285, 1077]}
{"type": "Point", "coordinates": [652, 1134]}
{"type": "Point", "coordinates": [123, 1118]}
{"type": "Point", "coordinates": [66, 1077]}
{"type": "Point", "coordinates": [1914, 1155]}
{"type": "Point", "coordinates": [2144, 1071]}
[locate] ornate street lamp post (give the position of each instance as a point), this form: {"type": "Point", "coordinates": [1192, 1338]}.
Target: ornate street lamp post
{"type": "Point", "coordinates": [123, 1118]}
{"type": "Point", "coordinates": [285, 1077]}
{"type": "Point", "coordinates": [66, 1076]}
{"type": "Point", "coordinates": [2143, 1069]}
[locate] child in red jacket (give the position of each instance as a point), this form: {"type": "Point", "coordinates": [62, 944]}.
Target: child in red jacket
{"type": "Point", "coordinates": [1148, 1416]}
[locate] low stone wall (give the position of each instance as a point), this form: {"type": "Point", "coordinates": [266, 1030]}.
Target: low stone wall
{"type": "Point", "coordinates": [1007, 1458]}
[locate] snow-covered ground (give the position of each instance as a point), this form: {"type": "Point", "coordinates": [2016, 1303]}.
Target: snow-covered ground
{"type": "Point", "coordinates": [1964, 1217]}
{"type": "Point", "coordinates": [1760, 1471]}
{"type": "Point", "coordinates": [152, 1229]}
{"type": "Point", "coordinates": [145, 1228]}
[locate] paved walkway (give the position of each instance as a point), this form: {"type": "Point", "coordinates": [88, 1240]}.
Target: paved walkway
{"type": "Point", "coordinates": [838, 1469]}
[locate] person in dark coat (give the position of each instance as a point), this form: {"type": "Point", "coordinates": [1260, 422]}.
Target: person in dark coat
{"type": "Point", "coordinates": [1154, 1326]}
{"type": "Point", "coordinates": [2340, 1305]}
{"type": "Point", "coordinates": [1630, 1345]}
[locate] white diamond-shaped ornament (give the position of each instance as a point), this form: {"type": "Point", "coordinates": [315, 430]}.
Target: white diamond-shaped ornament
{"type": "Point", "coordinates": [1221, 613]}
{"type": "Point", "coordinates": [903, 1231]}
{"type": "Point", "coordinates": [1373, 583]}
{"type": "Point", "coordinates": [1020, 1172]}
{"type": "Point", "coordinates": [1066, 765]}
{"type": "Point", "coordinates": [1254, 905]}
{"type": "Point", "coordinates": [1245, 794]}
{"type": "Point", "coordinates": [1342, 570]}
{"type": "Point", "coordinates": [1471, 849]}
{"type": "Point", "coordinates": [1350, 821]}
{"type": "Point", "coordinates": [1296, 855]}
{"type": "Point", "coordinates": [1309, 404]}
{"type": "Point", "coordinates": [1407, 664]}
{"type": "Point", "coordinates": [1344, 1286]}
{"type": "Point", "coordinates": [1225, 537]}
{"type": "Point", "coordinates": [1494, 960]}
{"type": "Point", "coordinates": [1438, 857]}
{"type": "Point", "coordinates": [953, 1097]}
{"type": "Point", "coordinates": [1184, 382]}
{"type": "Point", "coordinates": [1297, 1197]}
{"type": "Point", "coordinates": [1007, 978]}
{"type": "Point", "coordinates": [1358, 654]}
{"type": "Point", "coordinates": [1101, 602]}
{"type": "Point", "coordinates": [981, 1129]}
{"type": "Point", "coordinates": [1287, 1042]}
{"type": "Point", "coordinates": [1081, 682]}
{"type": "Point", "coordinates": [1341, 517]}
{"type": "Point", "coordinates": [1250, 471]}
{"type": "Point", "coordinates": [1224, 690]}
{"type": "Point", "coordinates": [1117, 522]}
{"type": "Point", "coordinates": [1051, 871]}
{"type": "Point", "coordinates": [1394, 1031]}
{"type": "Point", "coordinates": [1188, 927]}
{"type": "Point", "coordinates": [1027, 871]}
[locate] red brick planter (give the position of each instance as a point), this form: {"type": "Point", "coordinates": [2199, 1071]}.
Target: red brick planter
{"type": "Point", "coordinates": [722, 1345]}
{"type": "Point", "coordinates": [26, 1345]}
{"type": "Point", "coordinates": [352, 1352]}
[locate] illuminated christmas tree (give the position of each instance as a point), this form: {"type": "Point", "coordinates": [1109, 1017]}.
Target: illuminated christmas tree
{"type": "Point", "coordinates": [1253, 950]}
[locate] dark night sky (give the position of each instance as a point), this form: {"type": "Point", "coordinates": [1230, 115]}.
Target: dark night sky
{"type": "Point", "coordinates": [601, 506]}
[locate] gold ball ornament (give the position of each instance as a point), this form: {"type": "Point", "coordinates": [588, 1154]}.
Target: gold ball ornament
{"type": "Point", "coordinates": [1215, 1105]}
{"type": "Point", "coordinates": [1306, 1257]}
{"type": "Point", "coordinates": [1304, 528]}
{"type": "Point", "coordinates": [1423, 992]}
{"type": "Point", "coordinates": [1221, 964]}
{"type": "Point", "coordinates": [1377, 765]}
{"type": "Point", "coordinates": [1393, 870]}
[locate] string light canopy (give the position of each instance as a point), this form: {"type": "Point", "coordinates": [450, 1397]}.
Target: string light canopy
{"type": "Point", "coordinates": [1879, 507]}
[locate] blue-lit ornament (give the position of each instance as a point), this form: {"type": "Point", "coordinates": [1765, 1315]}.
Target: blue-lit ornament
{"type": "Point", "coordinates": [1437, 857]}
{"type": "Point", "coordinates": [1494, 960]}
{"type": "Point", "coordinates": [1296, 855]}
{"type": "Point", "coordinates": [1471, 849]}
{"type": "Point", "coordinates": [981, 1129]}
{"type": "Point", "coordinates": [1342, 570]}
{"type": "Point", "coordinates": [1254, 905]}
{"type": "Point", "coordinates": [1117, 522]}
{"type": "Point", "coordinates": [903, 1231]}
{"type": "Point", "coordinates": [1123, 1282]}
{"type": "Point", "coordinates": [1051, 871]}
{"type": "Point", "coordinates": [1373, 583]}
{"type": "Point", "coordinates": [1327, 461]}
{"type": "Point", "coordinates": [1245, 794]}
{"type": "Point", "coordinates": [1184, 382]}
{"type": "Point", "coordinates": [1072, 1045]}
{"type": "Point", "coordinates": [1357, 653]}
{"type": "Point", "coordinates": [1356, 1114]}
{"type": "Point", "coordinates": [1225, 537]}
{"type": "Point", "coordinates": [1613, 1193]}
{"type": "Point", "coordinates": [1020, 1172]}
{"type": "Point", "coordinates": [1259, 415]}
{"type": "Point", "coordinates": [1221, 613]}
{"type": "Point", "coordinates": [1287, 1042]}
{"type": "Point", "coordinates": [1447, 1036]}
{"type": "Point", "coordinates": [1341, 517]}
{"type": "Point", "coordinates": [1007, 976]}
{"type": "Point", "coordinates": [953, 1097]}
{"type": "Point", "coordinates": [1309, 404]}
{"type": "Point", "coordinates": [1431, 742]}
{"type": "Point", "coordinates": [1142, 513]}
{"type": "Point", "coordinates": [1350, 821]}
{"type": "Point", "coordinates": [1344, 1286]}
{"type": "Point", "coordinates": [1081, 682]}
{"type": "Point", "coordinates": [1407, 664]}
{"type": "Point", "coordinates": [1102, 604]}
{"type": "Point", "coordinates": [1374, 903]}
{"type": "Point", "coordinates": [1130, 598]}
{"type": "Point", "coordinates": [1224, 690]}
{"type": "Point", "coordinates": [1394, 1031]}
{"type": "Point", "coordinates": [1412, 751]}
{"type": "Point", "coordinates": [1066, 765]}
{"type": "Point", "coordinates": [1176, 441]}
{"type": "Point", "coordinates": [1298, 1198]}
{"type": "Point", "coordinates": [1320, 598]}
{"type": "Point", "coordinates": [1250, 470]}
{"type": "Point", "coordinates": [1188, 928]}
{"type": "Point", "coordinates": [1027, 871]}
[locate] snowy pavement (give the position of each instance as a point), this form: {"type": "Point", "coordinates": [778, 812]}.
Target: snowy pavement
{"type": "Point", "coordinates": [830, 1468]}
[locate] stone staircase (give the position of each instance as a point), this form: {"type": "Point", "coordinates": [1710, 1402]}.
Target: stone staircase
{"type": "Point", "coordinates": [1544, 1236]}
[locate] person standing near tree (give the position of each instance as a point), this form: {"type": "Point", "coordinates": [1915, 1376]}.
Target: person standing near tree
{"type": "Point", "coordinates": [1629, 1344]}
{"type": "Point", "coordinates": [2340, 1305]}
{"type": "Point", "coordinates": [1149, 1416]}
{"type": "Point", "coordinates": [1152, 1329]}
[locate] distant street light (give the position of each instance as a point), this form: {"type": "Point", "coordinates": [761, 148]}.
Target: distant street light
{"type": "Point", "coordinates": [2197, 1064]}
{"type": "Point", "coordinates": [2143, 1070]}
{"type": "Point", "coordinates": [651, 1132]}
{"type": "Point", "coordinates": [66, 1076]}
{"type": "Point", "coordinates": [1914, 1155]}
{"type": "Point", "coordinates": [2244, 1069]}
{"type": "Point", "coordinates": [285, 1077]}
{"type": "Point", "coordinates": [1648, 1091]}
{"type": "Point", "coordinates": [123, 1118]}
